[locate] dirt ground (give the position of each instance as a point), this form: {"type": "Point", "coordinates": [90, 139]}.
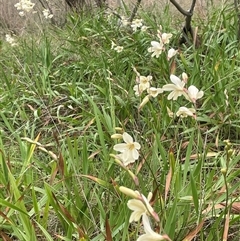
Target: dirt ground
{"type": "Point", "coordinates": [200, 7]}
{"type": "Point", "coordinates": [10, 19]}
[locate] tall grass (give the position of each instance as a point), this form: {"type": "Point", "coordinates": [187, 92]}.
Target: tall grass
{"type": "Point", "coordinates": [63, 94]}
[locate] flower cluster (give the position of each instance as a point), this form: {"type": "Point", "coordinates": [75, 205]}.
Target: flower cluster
{"type": "Point", "coordinates": [10, 40]}
{"type": "Point", "coordinates": [47, 14]}
{"type": "Point", "coordinates": [157, 47]}
{"type": "Point", "coordinates": [143, 83]}
{"type": "Point", "coordinates": [136, 24]}
{"type": "Point", "coordinates": [177, 88]}
{"type": "Point", "coordinates": [24, 6]}
{"type": "Point", "coordinates": [124, 21]}
{"type": "Point", "coordinates": [141, 207]}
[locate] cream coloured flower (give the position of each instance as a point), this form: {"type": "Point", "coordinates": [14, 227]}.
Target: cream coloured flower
{"type": "Point", "coordinates": [156, 49]}
{"type": "Point", "coordinates": [124, 21]}
{"type": "Point", "coordinates": [118, 49]}
{"type": "Point", "coordinates": [139, 208]}
{"type": "Point", "coordinates": [143, 84]}
{"type": "Point", "coordinates": [138, 90]}
{"type": "Point", "coordinates": [24, 5]}
{"type": "Point", "coordinates": [185, 112]}
{"type": "Point", "coordinates": [129, 149]}
{"type": "Point", "coordinates": [194, 94]}
{"type": "Point", "coordinates": [166, 37]}
{"type": "Point", "coordinates": [115, 47]}
{"type": "Point", "coordinates": [171, 52]}
{"type": "Point", "coordinates": [177, 88]}
{"type": "Point", "coordinates": [152, 91]}
{"type": "Point", "coordinates": [144, 28]}
{"type": "Point", "coordinates": [10, 40]}
{"type": "Point", "coordinates": [46, 14]}
{"type": "Point", "coordinates": [21, 13]}
{"type": "Point", "coordinates": [145, 81]}
{"type": "Point", "coordinates": [137, 23]}
{"type": "Point", "coordinates": [149, 235]}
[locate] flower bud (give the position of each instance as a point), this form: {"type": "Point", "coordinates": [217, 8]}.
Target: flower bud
{"type": "Point", "coordinates": [120, 129]}
{"type": "Point", "coordinates": [116, 136]}
{"type": "Point", "coordinates": [129, 192]}
{"type": "Point", "coordinates": [144, 102]}
{"type": "Point", "coordinates": [224, 171]}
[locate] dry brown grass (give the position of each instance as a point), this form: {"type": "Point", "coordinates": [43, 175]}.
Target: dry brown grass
{"type": "Point", "coordinates": [9, 18]}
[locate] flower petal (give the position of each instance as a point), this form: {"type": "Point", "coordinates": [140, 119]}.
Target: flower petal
{"type": "Point", "coordinates": [137, 205]}
{"type": "Point", "coordinates": [135, 216]}
{"type": "Point", "coordinates": [120, 147]}
{"type": "Point", "coordinates": [135, 154]}
{"type": "Point", "coordinates": [137, 145]}
{"type": "Point", "coordinates": [175, 80]}
{"type": "Point", "coordinates": [127, 138]}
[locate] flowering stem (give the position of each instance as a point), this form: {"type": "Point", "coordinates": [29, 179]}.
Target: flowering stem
{"type": "Point", "coordinates": [224, 171]}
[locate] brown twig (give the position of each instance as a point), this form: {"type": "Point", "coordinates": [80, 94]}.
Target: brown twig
{"type": "Point", "coordinates": [188, 14]}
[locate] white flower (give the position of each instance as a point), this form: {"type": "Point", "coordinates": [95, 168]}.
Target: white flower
{"type": "Point", "coordinates": [152, 91]}
{"type": "Point", "coordinates": [46, 14]}
{"type": "Point", "coordinates": [113, 45]}
{"type": "Point", "coordinates": [118, 49]}
{"type": "Point", "coordinates": [24, 5]}
{"type": "Point", "coordinates": [185, 112]}
{"type": "Point", "coordinates": [129, 149]}
{"type": "Point", "coordinates": [171, 52]}
{"type": "Point", "coordinates": [124, 21]}
{"type": "Point", "coordinates": [10, 40]}
{"type": "Point", "coordinates": [149, 235]}
{"type": "Point", "coordinates": [156, 49]}
{"type": "Point", "coordinates": [143, 84]}
{"type": "Point", "coordinates": [194, 94]}
{"type": "Point", "coordinates": [145, 81]}
{"type": "Point", "coordinates": [137, 89]}
{"type": "Point", "coordinates": [137, 23]}
{"type": "Point", "coordinates": [177, 88]}
{"type": "Point", "coordinates": [21, 13]}
{"type": "Point", "coordinates": [144, 28]}
{"type": "Point", "coordinates": [166, 37]}
{"type": "Point", "coordinates": [139, 207]}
